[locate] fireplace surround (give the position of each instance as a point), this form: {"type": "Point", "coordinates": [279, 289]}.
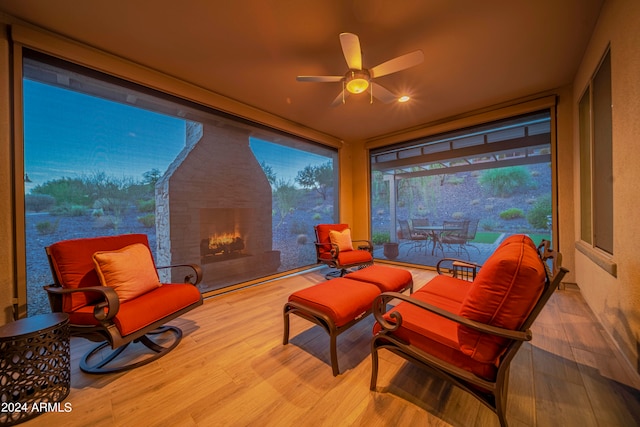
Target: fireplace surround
{"type": "Point", "coordinates": [213, 207]}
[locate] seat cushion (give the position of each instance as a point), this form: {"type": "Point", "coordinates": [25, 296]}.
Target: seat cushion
{"type": "Point", "coordinates": [446, 291]}
{"type": "Point", "coordinates": [72, 261]}
{"type": "Point", "coordinates": [503, 294]}
{"type": "Point", "coordinates": [130, 271]}
{"type": "Point", "coordinates": [388, 279]}
{"type": "Point", "coordinates": [137, 313]}
{"type": "Point", "coordinates": [341, 299]}
{"type": "Point", "coordinates": [357, 257]}
{"type": "Point", "coordinates": [434, 334]}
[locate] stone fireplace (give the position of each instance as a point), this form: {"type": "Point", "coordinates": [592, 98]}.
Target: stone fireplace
{"type": "Point", "coordinates": [213, 208]}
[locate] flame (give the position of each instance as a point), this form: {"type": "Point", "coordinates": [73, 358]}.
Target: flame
{"type": "Point", "coordinates": [218, 240]}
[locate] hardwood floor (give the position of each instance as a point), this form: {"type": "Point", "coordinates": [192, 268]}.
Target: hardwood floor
{"type": "Point", "coordinates": [231, 369]}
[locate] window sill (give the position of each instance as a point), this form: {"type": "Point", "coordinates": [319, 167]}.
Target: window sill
{"type": "Point", "coordinates": [601, 259]}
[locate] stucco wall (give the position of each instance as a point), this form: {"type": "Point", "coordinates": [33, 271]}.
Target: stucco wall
{"type": "Point", "coordinates": [616, 300]}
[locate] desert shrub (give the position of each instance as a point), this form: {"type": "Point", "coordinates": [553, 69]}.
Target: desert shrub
{"type": "Point", "coordinates": [47, 227]}
{"type": "Point", "coordinates": [66, 209]}
{"type": "Point", "coordinates": [512, 213]}
{"type": "Point", "coordinates": [317, 217]}
{"type": "Point", "coordinates": [112, 205]}
{"type": "Point", "coordinates": [504, 182]}
{"type": "Point", "coordinates": [379, 238]}
{"type": "Point", "coordinates": [148, 220]}
{"type": "Point", "coordinates": [302, 239]}
{"type": "Point", "coordinates": [146, 206]}
{"type": "Point", "coordinates": [38, 202]}
{"type": "Point", "coordinates": [539, 213]}
{"type": "Point", "coordinates": [457, 215]}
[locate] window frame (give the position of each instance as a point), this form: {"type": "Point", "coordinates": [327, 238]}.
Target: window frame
{"type": "Point", "coordinates": [596, 166]}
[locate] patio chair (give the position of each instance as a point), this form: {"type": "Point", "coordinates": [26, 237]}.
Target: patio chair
{"type": "Point", "coordinates": [335, 248]}
{"type": "Point", "coordinates": [468, 332]}
{"type": "Point", "coordinates": [110, 288]}
{"type": "Point", "coordinates": [418, 241]}
{"type": "Point", "coordinates": [458, 234]}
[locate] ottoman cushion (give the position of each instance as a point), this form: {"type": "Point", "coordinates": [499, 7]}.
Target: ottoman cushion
{"type": "Point", "coordinates": [340, 299]}
{"type": "Point", "coordinates": [388, 279]}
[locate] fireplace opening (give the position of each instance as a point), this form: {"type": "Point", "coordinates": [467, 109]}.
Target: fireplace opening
{"type": "Point", "coordinates": [224, 234]}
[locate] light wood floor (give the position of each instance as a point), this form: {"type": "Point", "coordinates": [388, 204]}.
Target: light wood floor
{"type": "Point", "coordinates": [231, 369]}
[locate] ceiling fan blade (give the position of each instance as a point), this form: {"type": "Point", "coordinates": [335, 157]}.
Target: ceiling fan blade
{"type": "Point", "coordinates": [397, 64]}
{"type": "Point", "coordinates": [351, 50]}
{"type": "Point", "coordinates": [340, 98]}
{"type": "Point", "coordinates": [382, 94]}
{"type": "Point", "coordinates": [319, 78]}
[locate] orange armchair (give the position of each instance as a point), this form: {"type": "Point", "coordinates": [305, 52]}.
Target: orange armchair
{"type": "Point", "coordinates": [111, 291]}
{"type": "Point", "coordinates": [467, 332]}
{"type": "Point", "coordinates": [335, 248]}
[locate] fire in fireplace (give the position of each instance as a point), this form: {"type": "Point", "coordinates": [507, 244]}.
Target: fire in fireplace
{"type": "Point", "coordinates": [223, 244]}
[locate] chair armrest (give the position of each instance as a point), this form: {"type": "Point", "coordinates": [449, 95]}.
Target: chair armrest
{"type": "Point", "coordinates": [103, 311]}
{"type": "Point", "coordinates": [381, 301]}
{"type": "Point", "coordinates": [335, 250]}
{"type": "Point", "coordinates": [197, 272]}
{"type": "Point", "coordinates": [460, 269]}
{"type": "Point", "coordinates": [369, 245]}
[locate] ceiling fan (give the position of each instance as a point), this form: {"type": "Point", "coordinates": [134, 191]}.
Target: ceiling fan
{"type": "Point", "coordinates": [359, 79]}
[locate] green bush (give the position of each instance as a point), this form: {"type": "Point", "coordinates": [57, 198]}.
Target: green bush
{"type": "Point", "coordinates": [47, 227]}
{"type": "Point", "coordinates": [504, 182]}
{"type": "Point", "coordinates": [512, 213]}
{"type": "Point", "coordinates": [38, 202]}
{"type": "Point", "coordinates": [379, 238]}
{"type": "Point", "coordinates": [148, 220]}
{"type": "Point", "coordinates": [539, 213]}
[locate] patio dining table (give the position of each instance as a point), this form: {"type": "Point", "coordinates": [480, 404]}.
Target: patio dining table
{"type": "Point", "coordinates": [435, 231]}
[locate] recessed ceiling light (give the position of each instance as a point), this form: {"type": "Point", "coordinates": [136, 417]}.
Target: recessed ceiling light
{"type": "Point", "coordinates": [404, 98]}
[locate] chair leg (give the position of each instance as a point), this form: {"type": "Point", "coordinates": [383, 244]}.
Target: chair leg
{"type": "Point", "coordinates": [334, 355]}
{"type": "Point", "coordinates": [374, 366]}
{"type": "Point", "coordinates": [101, 366]}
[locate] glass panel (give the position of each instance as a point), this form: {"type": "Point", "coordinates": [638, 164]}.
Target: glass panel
{"type": "Point", "coordinates": [585, 167]}
{"type": "Point", "coordinates": [602, 158]}
{"type": "Point", "coordinates": [465, 203]}
{"type": "Point", "coordinates": [104, 157]}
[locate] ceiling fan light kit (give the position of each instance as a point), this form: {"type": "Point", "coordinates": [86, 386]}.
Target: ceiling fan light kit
{"type": "Point", "coordinates": [358, 79]}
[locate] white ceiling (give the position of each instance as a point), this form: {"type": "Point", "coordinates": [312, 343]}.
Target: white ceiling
{"type": "Point", "coordinates": [477, 53]}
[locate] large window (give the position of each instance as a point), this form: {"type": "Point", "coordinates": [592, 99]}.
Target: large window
{"type": "Point", "coordinates": [105, 157]}
{"type": "Point", "coordinates": [460, 194]}
{"type": "Point", "coordinates": [596, 161]}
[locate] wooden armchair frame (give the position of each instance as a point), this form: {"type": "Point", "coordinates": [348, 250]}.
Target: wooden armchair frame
{"type": "Point", "coordinates": [492, 394]}
{"type": "Point", "coordinates": [104, 329]}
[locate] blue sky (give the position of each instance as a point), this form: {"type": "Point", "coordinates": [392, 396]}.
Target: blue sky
{"type": "Point", "coordinates": [69, 134]}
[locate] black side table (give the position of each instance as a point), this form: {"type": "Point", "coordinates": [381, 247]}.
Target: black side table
{"type": "Point", "coordinates": [35, 369]}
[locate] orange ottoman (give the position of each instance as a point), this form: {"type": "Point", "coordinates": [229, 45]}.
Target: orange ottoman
{"type": "Point", "coordinates": [338, 304]}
